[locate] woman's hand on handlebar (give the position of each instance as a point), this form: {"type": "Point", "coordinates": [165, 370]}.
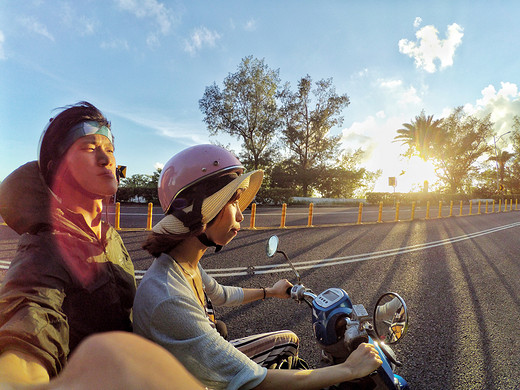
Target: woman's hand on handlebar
{"type": "Point", "coordinates": [279, 289]}
{"type": "Point", "coordinates": [363, 360]}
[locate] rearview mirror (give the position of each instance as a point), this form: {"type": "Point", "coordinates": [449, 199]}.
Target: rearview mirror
{"type": "Point", "coordinates": [272, 246]}
{"type": "Point", "coordinates": [390, 318]}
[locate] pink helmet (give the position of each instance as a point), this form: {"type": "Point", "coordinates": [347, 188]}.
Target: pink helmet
{"type": "Point", "coordinates": [190, 166]}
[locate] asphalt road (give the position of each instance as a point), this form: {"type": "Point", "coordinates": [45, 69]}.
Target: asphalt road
{"type": "Point", "coordinates": [460, 278]}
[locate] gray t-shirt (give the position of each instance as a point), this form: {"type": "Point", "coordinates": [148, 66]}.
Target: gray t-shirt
{"type": "Point", "coordinates": [167, 312]}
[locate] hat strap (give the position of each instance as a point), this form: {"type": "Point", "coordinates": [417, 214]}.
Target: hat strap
{"type": "Point", "coordinates": [191, 219]}
{"type": "Point", "coordinates": [206, 241]}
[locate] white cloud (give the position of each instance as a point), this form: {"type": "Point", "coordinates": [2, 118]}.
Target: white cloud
{"type": "Point", "coordinates": [409, 96]}
{"type": "Point", "coordinates": [153, 9]}
{"type": "Point", "coordinates": [199, 38]}
{"type": "Point", "coordinates": [390, 83]}
{"type": "Point", "coordinates": [2, 40]}
{"type": "Point", "coordinates": [429, 48]}
{"type": "Point", "coordinates": [402, 95]}
{"type": "Point", "coordinates": [35, 26]}
{"type": "Point", "coordinates": [417, 22]}
{"type": "Point", "coordinates": [360, 74]}
{"type": "Point", "coordinates": [250, 25]}
{"type": "Point", "coordinates": [115, 44]}
{"type": "Point", "coordinates": [82, 24]}
{"type": "Point", "coordinates": [158, 165]}
{"type": "Point", "coordinates": [152, 40]}
{"type": "Point", "coordinates": [501, 105]}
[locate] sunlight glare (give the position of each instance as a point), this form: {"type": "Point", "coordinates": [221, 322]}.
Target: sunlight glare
{"type": "Point", "coordinates": [410, 174]}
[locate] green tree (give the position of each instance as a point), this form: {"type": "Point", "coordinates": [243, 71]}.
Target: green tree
{"type": "Point", "coordinates": [421, 135]}
{"type": "Point", "coordinates": [135, 181]}
{"type": "Point", "coordinates": [513, 170]}
{"type": "Point", "coordinates": [501, 160]}
{"type": "Point", "coordinates": [308, 116]}
{"type": "Point", "coordinates": [246, 108]}
{"type": "Point", "coordinates": [347, 179]}
{"type": "Point", "coordinates": [455, 155]}
{"type": "Point", "coordinates": [154, 178]}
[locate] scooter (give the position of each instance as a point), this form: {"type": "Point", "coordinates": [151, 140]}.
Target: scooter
{"type": "Point", "coordinates": [339, 326]}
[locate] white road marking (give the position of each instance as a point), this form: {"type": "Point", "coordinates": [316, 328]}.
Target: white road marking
{"type": "Point", "coordinates": [283, 267]}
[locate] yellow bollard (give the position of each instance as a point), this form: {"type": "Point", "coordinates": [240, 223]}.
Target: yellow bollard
{"type": "Point", "coordinates": [360, 213]}
{"type": "Point", "coordinates": [253, 216]}
{"type": "Point", "coordinates": [284, 213]}
{"type": "Point", "coordinates": [311, 208]}
{"type": "Point", "coordinates": [451, 208]}
{"type": "Point", "coordinates": [427, 210]}
{"type": "Point", "coordinates": [413, 211]}
{"type": "Point", "coordinates": [118, 216]}
{"type": "Point", "coordinates": [380, 215]}
{"type": "Point", "coordinates": [516, 204]}
{"type": "Point", "coordinates": [479, 205]}
{"type": "Point", "coordinates": [397, 211]}
{"type": "Point", "coordinates": [470, 207]}
{"type": "Point", "coordinates": [510, 204]}
{"type": "Point", "coordinates": [440, 209]}
{"type": "Point", "coordinates": [500, 205]}
{"type": "Point", "coordinates": [460, 211]}
{"type": "Point", "coordinates": [486, 206]}
{"type": "Point", "coordinates": [149, 220]}
{"type": "Point", "coordinates": [493, 209]}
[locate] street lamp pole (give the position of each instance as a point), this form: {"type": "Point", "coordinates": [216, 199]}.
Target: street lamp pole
{"type": "Point", "coordinates": [496, 157]}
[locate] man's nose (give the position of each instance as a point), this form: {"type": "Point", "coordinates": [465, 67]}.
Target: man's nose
{"type": "Point", "coordinates": [103, 157]}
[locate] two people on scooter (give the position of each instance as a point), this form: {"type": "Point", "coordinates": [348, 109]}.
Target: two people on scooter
{"type": "Point", "coordinates": [203, 191]}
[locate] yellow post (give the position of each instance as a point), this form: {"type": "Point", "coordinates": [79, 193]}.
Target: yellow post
{"type": "Point", "coordinates": [460, 211]}
{"type": "Point", "coordinates": [470, 207]}
{"type": "Point", "coordinates": [284, 212]}
{"type": "Point", "coordinates": [380, 216]}
{"type": "Point", "coordinates": [493, 209]}
{"type": "Point", "coordinates": [500, 205]}
{"type": "Point", "coordinates": [440, 209]}
{"type": "Point", "coordinates": [253, 216]}
{"type": "Point", "coordinates": [397, 211]}
{"type": "Point", "coordinates": [479, 205]}
{"type": "Point", "coordinates": [311, 208]}
{"type": "Point", "coordinates": [360, 213]}
{"type": "Point", "coordinates": [427, 210]}
{"type": "Point", "coordinates": [451, 208]}
{"type": "Point", "coordinates": [413, 211]}
{"type": "Point", "coordinates": [149, 220]}
{"type": "Point", "coordinates": [118, 216]}
{"type": "Point", "coordinates": [486, 206]}
{"type": "Point", "coordinates": [510, 204]}
{"type": "Point", "coordinates": [516, 204]}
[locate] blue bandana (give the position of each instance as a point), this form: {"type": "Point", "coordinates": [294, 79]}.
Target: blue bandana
{"type": "Point", "coordinates": [82, 129]}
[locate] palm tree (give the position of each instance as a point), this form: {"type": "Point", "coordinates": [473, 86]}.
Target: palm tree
{"type": "Point", "coordinates": [420, 135]}
{"type": "Point", "coordinates": [501, 159]}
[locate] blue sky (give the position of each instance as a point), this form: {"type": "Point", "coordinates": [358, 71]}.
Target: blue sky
{"type": "Point", "coordinates": [146, 63]}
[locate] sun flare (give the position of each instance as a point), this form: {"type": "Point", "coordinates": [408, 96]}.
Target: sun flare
{"type": "Point", "coordinates": [410, 176]}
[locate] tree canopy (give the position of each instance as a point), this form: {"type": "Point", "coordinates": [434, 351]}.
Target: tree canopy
{"type": "Point", "coordinates": [308, 115]}
{"type": "Point", "coordinates": [246, 108]}
{"type": "Point", "coordinates": [421, 135]}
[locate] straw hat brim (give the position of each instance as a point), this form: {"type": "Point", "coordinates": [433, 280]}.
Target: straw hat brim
{"type": "Point", "coordinates": [250, 183]}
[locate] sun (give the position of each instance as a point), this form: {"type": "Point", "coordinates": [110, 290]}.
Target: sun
{"type": "Point", "coordinates": [410, 175]}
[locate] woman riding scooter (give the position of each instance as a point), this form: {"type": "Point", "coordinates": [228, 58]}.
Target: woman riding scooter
{"type": "Point", "coordinates": [203, 191]}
